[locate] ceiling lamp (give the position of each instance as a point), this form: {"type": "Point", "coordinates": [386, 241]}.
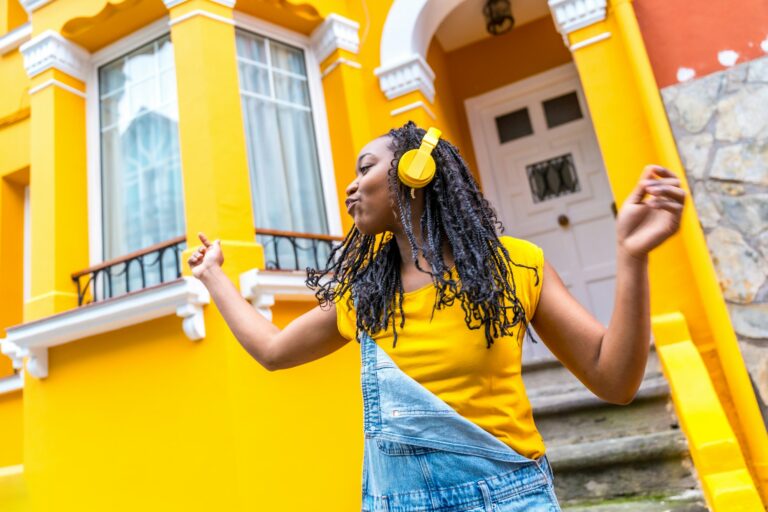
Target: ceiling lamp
{"type": "Point", "coordinates": [498, 16]}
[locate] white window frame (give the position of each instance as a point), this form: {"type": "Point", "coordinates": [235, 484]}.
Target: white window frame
{"type": "Point", "coordinates": [99, 58]}
{"type": "Point", "coordinates": [317, 104]}
{"type": "Point", "coordinates": [159, 28]}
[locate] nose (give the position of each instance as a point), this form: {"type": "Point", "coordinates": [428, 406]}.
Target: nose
{"type": "Point", "coordinates": [352, 187]}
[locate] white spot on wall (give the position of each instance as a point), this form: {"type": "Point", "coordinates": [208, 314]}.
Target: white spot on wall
{"type": "Point", "coordinates": [684, 74]}
{"type": "Point", "coordinates": [728, 57]}
{"type": "Point", "coordinates": [764, 45]}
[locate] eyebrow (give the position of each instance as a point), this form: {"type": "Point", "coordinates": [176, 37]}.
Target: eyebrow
{"type": "Point", "coordinates": [361, 159]}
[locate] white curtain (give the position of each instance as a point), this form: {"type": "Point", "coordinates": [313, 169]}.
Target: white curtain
{"type": "Point", "coordinates": [286, 189]}
{"type": "Point", "coordinates": [142, 197]}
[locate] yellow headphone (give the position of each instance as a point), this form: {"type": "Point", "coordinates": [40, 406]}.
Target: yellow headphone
{"type": "Point", "coordinates": [416, 167]}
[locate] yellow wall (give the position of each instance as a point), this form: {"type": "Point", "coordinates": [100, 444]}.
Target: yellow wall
{"type": "Point", "coordinates": [11, 431]}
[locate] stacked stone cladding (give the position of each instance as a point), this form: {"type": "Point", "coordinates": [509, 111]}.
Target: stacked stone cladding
{"type": "Point", "coordinates": [720, 123]}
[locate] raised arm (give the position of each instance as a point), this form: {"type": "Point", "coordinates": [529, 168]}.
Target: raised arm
{"type": "Point", "coordinates": [310, 336]}
{"type": "Point", "coordinates": [611, 360]}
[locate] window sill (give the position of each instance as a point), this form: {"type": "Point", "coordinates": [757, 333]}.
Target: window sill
{"type": "Point", "coordinates": [183, 297]}
{"type": "Point", "coordinates": [11, 383]}
{"type": "Point", "coordinates": [263, 287]}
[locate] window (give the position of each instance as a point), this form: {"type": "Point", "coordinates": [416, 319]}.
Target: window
{"type": "Point", "coordinates": [286, 188]}
{"type": "Point", "coordinates": [514, 125]}
{"type": "Point", "coordinates": [142, 197]}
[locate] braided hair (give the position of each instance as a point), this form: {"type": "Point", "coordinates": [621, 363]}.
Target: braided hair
{"type": "Point", "coordinates": [455, 210]}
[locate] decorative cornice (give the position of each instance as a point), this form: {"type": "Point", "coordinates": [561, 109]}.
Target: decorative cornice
{"type": "Point", "coordinates": [571, 15]}
{"type": "Point", "coordinates": [51, 50]}
{"type": "Point", "coordinates": [261, 287]}
{"type": "Point", "coordinates": [32, 5]}
{"type": "Point", "coordinates": [170, 4]}
{"type": "Point", "coordinates": [183, 297]}
{"type": "Point", "coordinates": [411, 74]}
{"type": "Point", "coordinates": [335, 33]}
{"type": "Point", "coordinates": [15, 38]}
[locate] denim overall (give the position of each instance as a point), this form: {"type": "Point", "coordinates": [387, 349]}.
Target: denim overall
{"type": "Point", "coordinates": [421, 455]}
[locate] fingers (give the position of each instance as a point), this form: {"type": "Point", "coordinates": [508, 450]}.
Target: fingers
{"type": "Point", "coordinates": [203, 239]}
{"type": "Point", "coordinates": [654, 180]}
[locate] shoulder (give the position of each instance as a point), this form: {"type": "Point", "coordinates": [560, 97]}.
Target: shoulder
{"type": "Point", "coordinates": [521, 249]}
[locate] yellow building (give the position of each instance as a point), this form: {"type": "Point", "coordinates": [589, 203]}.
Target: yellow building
{"type": "Point", "coordinates": [127, 127]}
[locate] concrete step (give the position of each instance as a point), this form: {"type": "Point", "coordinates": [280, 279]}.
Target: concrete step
{"type": "Point", "coordinates": [604, 452]}
{"type": "Point", "coordinates": [686, 502]}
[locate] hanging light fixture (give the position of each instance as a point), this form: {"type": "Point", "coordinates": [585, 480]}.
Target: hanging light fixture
{"type": "Point", "coordinates": [498, 16]}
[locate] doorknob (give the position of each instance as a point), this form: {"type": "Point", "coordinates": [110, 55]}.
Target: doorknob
{"type": "Point", "coordinates": [563, 220]}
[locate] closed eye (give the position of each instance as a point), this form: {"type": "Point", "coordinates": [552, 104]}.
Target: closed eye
{"type": "Point", "coordinates": [364, 169]}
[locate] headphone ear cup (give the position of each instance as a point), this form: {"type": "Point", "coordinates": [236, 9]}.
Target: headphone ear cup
{"type": "Point", "coordinates": [415, 174]}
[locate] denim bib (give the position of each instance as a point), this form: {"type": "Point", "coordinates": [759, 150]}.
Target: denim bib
{"type": "Point", "coordinates": [421, 455]}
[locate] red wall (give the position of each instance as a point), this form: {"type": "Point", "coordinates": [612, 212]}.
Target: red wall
{"type": "Point", "coordinates": [691, 33]}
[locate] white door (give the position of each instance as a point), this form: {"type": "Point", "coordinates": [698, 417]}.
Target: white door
{"type": "Point", "coordinates": [541, 168]}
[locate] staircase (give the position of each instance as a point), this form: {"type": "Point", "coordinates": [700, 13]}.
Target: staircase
{"type": "Point", "coordinates": [609, 457]}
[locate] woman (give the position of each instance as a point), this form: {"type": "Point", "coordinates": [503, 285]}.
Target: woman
{"type": "Point", "coordinates": [439, 302]}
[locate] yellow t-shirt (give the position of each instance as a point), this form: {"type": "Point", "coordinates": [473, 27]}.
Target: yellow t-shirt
{"type": "Point", "coordinates": [484, 385]}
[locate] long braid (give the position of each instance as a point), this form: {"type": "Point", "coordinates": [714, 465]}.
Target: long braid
{"type": "Point", "coordinates": [456, 213]}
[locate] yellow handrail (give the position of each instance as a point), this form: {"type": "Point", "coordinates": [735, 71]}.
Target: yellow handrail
{"type": "Point", "coordinates": [734, 371]}
{"type": "Point", "coordinates": [715, 451]}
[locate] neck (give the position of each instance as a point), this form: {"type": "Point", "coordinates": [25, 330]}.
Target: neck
{"type": "Point", "coordinates": [406, 257]}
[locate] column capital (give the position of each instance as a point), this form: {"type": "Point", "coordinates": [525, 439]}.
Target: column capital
{"type": "Point", "coordinates": [335, 33]}
{"type": "Point", "coordinates": [411, 74]}
{"type": "Point", "coordinates": [571, 15]}
{"type": "Point", "coordinates": [50, 50]}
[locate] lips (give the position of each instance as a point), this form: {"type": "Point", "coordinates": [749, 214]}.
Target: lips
{"type": "Point", "coordinates": [350, 204]}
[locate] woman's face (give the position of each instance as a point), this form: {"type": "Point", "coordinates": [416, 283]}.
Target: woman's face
{"type": "Point", "coordinates": [368, 200]}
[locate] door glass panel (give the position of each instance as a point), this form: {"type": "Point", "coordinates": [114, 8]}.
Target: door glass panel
{"type": "Point", "coordinates": [514, 125]}
{"type": "Point", "coordinates": [562, 109]}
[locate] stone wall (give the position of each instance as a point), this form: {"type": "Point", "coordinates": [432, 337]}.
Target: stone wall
{"type": "Point", "coordinates": [720, 123]}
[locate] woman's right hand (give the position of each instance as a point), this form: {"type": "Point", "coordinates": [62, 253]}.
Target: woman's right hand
{"type": "Point", "coordinates": [207, 256]}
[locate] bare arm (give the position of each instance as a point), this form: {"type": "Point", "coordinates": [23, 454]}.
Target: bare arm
{"type": "Point", "coordinates": [310, 336]}
{"type": "Point", "coordinates": [611, 361]}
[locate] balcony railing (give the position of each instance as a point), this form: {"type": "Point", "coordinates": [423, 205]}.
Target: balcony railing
{"type": "Point", "coordinates": [152, 265]}
{"type": "Point", "coordinates": [288, 250]}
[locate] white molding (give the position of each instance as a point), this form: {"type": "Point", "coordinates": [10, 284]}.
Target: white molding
{"type": "Point", "coordinates": [261, 288]}
{"type": "Point", "coordinates": [12, 383]}
{"type": "Point", "coordinates": [170, 4]}
{"type": "Point", "coordinates": [32, 5]}
{"type": "Point", "coordinates": [184, 297]}
{"type": "Point", "coordinates": [51, 50]}
{"type": "Point", "coordinates": [411, 74]}
{"type": "Point", "coordinates": [571, 15]}
{"type": "Point", "coordinates": [60, 85]}
{"type": "Point", "coordinates": [590, 41]}
{"type": "Point", "coordinates": [407, 32]}
{"type": "Point", "coordinates": [15, 38]}
{"type": "Point", "coordinates": [200, 12]}
{"type": "Point", "coordinates": [16, 469]}
{"type": "Point", "coordinates": [341, 60]}
{"type": "Point", "coordinates": [411, 106]}
{"type": "Point", "coordinates": [336, 32]}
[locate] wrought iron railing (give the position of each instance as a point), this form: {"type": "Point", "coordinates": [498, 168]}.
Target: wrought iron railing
{"type": "Point", "coordinates": [288, 250]}
{"type": "Point", "coordinates": [140, 269]}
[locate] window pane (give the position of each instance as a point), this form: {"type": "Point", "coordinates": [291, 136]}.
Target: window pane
{"type": "Point", "coordinates": [514, 125]}
{"type": "Point", "coordinates": [562, 109]}
{"type": "Point", "coordinates": [286, 188]}
{"type": "Point", "coordinates": [291, 89]}
{"type": "Point", "coordinates": [287, 58]}
{"type": "Point", "coordinates": [142, 199]}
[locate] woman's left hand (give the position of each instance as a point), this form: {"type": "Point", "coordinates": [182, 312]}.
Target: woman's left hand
{"type": "Point", "coordinates": [642, 224]}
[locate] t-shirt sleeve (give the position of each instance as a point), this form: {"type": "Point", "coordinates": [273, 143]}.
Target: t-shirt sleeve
{"type": "Point", "coordinates": [346, 321]}
{"type": "Point", "coordinates": [528, 273]}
